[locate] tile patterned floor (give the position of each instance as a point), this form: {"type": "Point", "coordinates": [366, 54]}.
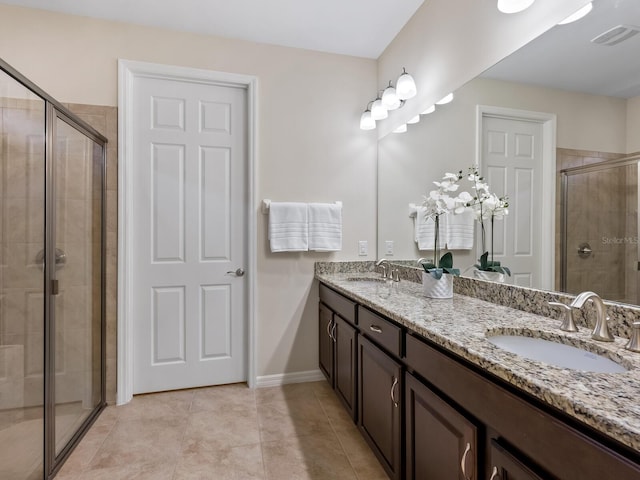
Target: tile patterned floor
{"type": "Point", "coordinates": [294, 432]}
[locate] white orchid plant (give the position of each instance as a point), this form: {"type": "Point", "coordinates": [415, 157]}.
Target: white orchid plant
{"type": "Point", "coordinates": [440, 202]}
{"type": "Point", "coordinates": [487, 206]}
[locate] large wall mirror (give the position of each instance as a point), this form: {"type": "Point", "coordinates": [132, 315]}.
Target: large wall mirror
{"type": "Point", "coordinates": [566, 109]}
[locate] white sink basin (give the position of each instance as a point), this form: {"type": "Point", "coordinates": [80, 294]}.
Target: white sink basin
{"type": "Point", "coordinates": [557, 354]}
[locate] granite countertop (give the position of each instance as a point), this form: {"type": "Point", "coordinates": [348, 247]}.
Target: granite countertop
{"type": "Point", "coordinates": [608, 402]}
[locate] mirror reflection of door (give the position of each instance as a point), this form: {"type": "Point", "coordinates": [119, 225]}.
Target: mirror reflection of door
{"type": "Point", "coordinates": [512, 165]}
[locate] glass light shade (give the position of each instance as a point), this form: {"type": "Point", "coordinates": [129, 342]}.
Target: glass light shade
{"type": "Point", "coordinates": [514, 6]}
{"type": "Point", "coordinates": [415, 119]}
{"type": "Point", "coordinates": [390, 98]}
{"type": "Point", "coordinates": [445, 100]}
{"type": "Point", "coordinates": [429, 110]}
{"type": "Point", "coordinates": [366, 122]}
{"type": "Point", "coordinates": [406, 87]}
{"type": "Point", "coordinates": [578, 15]}
{"type": "Point", "coordinates": [401, 129]}
{"type": "Point", "coordinates": [378, 112]}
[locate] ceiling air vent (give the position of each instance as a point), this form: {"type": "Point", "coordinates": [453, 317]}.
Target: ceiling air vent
{"type": "Point", "coordinates": [616, 35]}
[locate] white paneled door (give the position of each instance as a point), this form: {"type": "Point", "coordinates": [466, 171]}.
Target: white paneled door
{"type": "Point", "coordinates": [512, 165]}
{"type": "Point", "coordinates": [189, 230]}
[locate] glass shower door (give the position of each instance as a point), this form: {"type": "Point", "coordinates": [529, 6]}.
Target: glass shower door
{"type": "Point", "coordinates": [22, 238]}
{"type": "Point", "coordinates": [601, 230]}
{"type": "Point", "coordinates": [77, 274]}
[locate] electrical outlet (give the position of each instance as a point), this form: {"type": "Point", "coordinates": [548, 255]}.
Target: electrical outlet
{"type": "Point", "coordinates": [363, 248]}
{"type": "Point", "coordinates": [388, 247]}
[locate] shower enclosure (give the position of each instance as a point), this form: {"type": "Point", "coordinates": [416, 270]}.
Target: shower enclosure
{"type": "Point", "coordinates": [51, 279]}
{"type": "Point", "coordinates": [600, 229]}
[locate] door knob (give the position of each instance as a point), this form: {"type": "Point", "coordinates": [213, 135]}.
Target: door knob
{"type": "Point", "coordinates": [238, 273]}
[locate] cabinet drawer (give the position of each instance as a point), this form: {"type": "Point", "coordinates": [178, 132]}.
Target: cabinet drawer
{"type": "Point", "coordinates": [381, 331]}
{"type": "Point", "coordinates": [339, 304]}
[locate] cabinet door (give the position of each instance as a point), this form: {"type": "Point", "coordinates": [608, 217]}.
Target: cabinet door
{"type": "Point", "coordinates": [325, 334]}
{"type": "Point", "coordinates": [440, 442]}
{"type": "Point", "coordinates": [379, 405]}
{"type": "Point", "coordinates": [505, 466]}
{"type": "Point", "coordinates": [345, 363]}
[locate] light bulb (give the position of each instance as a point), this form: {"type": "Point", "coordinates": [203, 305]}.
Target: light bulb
{"type": "Point", "coordinates": [577, 15]}
{"type": "Point", "coordinates": [429, 110]}
{"type": "Point", "coordinates": [366, 122]}
{"type": "Point", "coordinates": [514, 6]}
{"type": "Point", "coordinates": [390, 98]}
{"type": "Point", "coordinates": [444, 100]}
{"type": "Point", "coordinates": [401, 129]}
{"type": "Point", "coordinates": [405, 86]}
{"type": "Point", "coordinates": [415, 119]}
{"type": "Point", "coordinates": [378, 112]}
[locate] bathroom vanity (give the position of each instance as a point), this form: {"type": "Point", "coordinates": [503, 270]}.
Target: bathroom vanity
{"type": "Point", "coordinates": [435, 399]}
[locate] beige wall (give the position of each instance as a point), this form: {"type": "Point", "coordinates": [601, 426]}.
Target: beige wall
{"type": "Point", "coordinates": [444, 46]}
{"type": "Point", "coordinates": [633, 125]}
{"type": "Point", "coordinates": [309, 145]}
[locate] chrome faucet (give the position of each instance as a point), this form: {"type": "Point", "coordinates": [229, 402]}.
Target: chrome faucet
{"type": "Point", "coordinates": [384, 263]}
{"type": "Point", "coordinates": [601, 330]}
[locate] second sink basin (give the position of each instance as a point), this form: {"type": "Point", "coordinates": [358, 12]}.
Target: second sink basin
{"type": "Point", "coordinates": [557, 354]}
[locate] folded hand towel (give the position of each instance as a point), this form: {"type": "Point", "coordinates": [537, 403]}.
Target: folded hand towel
{"type": "Point", "coordinates": [325, 227]}
{"type": "Point", "coordinates": [425, 230]}
{"type": "Point", "coordinates": [288, 229]}
{"type": "Point", "coordinates": [460, 231]}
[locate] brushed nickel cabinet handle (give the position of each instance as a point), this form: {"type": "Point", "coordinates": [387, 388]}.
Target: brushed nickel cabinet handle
{"type": "Point", "coordinates": [463, 462]}
{"type": "Point", "coordinates": [333, 332]}
{"type": "Point", "coordinates": [329, 324]}
{"type": "Point", "coordinates": [375, 328]}
{"type": "Point", "coordinates": [494, 474]}
{"type": "Point", "coordinates": [393, 392]}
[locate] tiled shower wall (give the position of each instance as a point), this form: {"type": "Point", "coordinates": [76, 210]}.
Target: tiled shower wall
{"type": "Point", "coordinates": [602, 210]}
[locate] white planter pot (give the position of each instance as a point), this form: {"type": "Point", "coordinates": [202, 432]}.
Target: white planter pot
{"type": "Point", "coordinates": [489, 276]}
{"type": "Point", "coordinates": [441, 288]}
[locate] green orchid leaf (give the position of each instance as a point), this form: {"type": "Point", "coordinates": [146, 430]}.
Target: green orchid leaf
{"type": "Point", "coordinates": [446, 261]}
{"type": "Point", "coordinates": [483, 261]}
{"type": "Point", "coordinates": [506, 270]}
{"type": "Point", "coordinates": [428, 266]}
{"type": "Point", "coordinates": [452, 271]}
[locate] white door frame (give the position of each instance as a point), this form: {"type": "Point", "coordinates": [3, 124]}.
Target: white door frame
{"type": "Point", "coordinates": [127, 71]}
{"type": "Point", "coordinates": [548, 200]}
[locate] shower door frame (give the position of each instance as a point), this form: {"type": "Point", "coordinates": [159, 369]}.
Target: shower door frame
{"type": "Point", "coordinates": [55, 110]}
{"type": "Point", "coordinates": [564, 211]}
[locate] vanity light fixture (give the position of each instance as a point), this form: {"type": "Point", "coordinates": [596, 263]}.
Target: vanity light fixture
{"type": "Point", "coordinates": [429, 110]}
{"type": "Point", "coordinates": [574, 17]}
{"type": "Point", "coordinates": [378, 111]}
{"type": "Point", "coordinates": [390, 98]}
{"type": "Point", "coordinates": [444, 100]}
{"type": "Point", "coordinates": [366, 120]}
{"type": "Point", "coordinates": [514, 6]}
{"type": "Point", "coordinates": [406, 86]}
{"type": "Point", "coordinates": [401, 129]}
{"type": "Point", "coordinates": [414, 120]}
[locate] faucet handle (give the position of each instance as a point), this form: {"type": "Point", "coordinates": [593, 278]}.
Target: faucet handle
{"type": "Point", "coordinates": [634, 340]}
{"type": "Point", "coordinates": [568, 323]}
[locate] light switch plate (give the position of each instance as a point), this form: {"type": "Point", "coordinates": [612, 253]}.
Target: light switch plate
{"type": "Point", "coordinates": [363, 248]}
{"type": "Point", "coordinates": [388, 247]}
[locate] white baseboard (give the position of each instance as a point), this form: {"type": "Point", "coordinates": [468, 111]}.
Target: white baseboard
{"type": "Point", "coordinates": [284, 378]}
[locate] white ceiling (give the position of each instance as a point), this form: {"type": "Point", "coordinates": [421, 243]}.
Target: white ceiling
{"type": "Point", "coordinates": [565, 58]}
{"type": "Point", "coordinates": [361, 28]}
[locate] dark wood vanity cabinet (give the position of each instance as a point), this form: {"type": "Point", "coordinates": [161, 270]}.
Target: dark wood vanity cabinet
{"type": "Point", "coordinates": [337, 345]}
{"type": "Point", "coordinates": [380, 405]}
{"type": "Point", "coordinates": [428, 414]}
{"type": "Point", "coordinates": [440, 441]}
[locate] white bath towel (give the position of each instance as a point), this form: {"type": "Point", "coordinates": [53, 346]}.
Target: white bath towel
{"type": "Point", "coordinates": [325, 227]}
{"type": "Point", "coordinates": [288, 227]}
{"type": "Point", "coordinates": [425, 230]}
{"type": "Point", "coordinates": [460, 231]}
